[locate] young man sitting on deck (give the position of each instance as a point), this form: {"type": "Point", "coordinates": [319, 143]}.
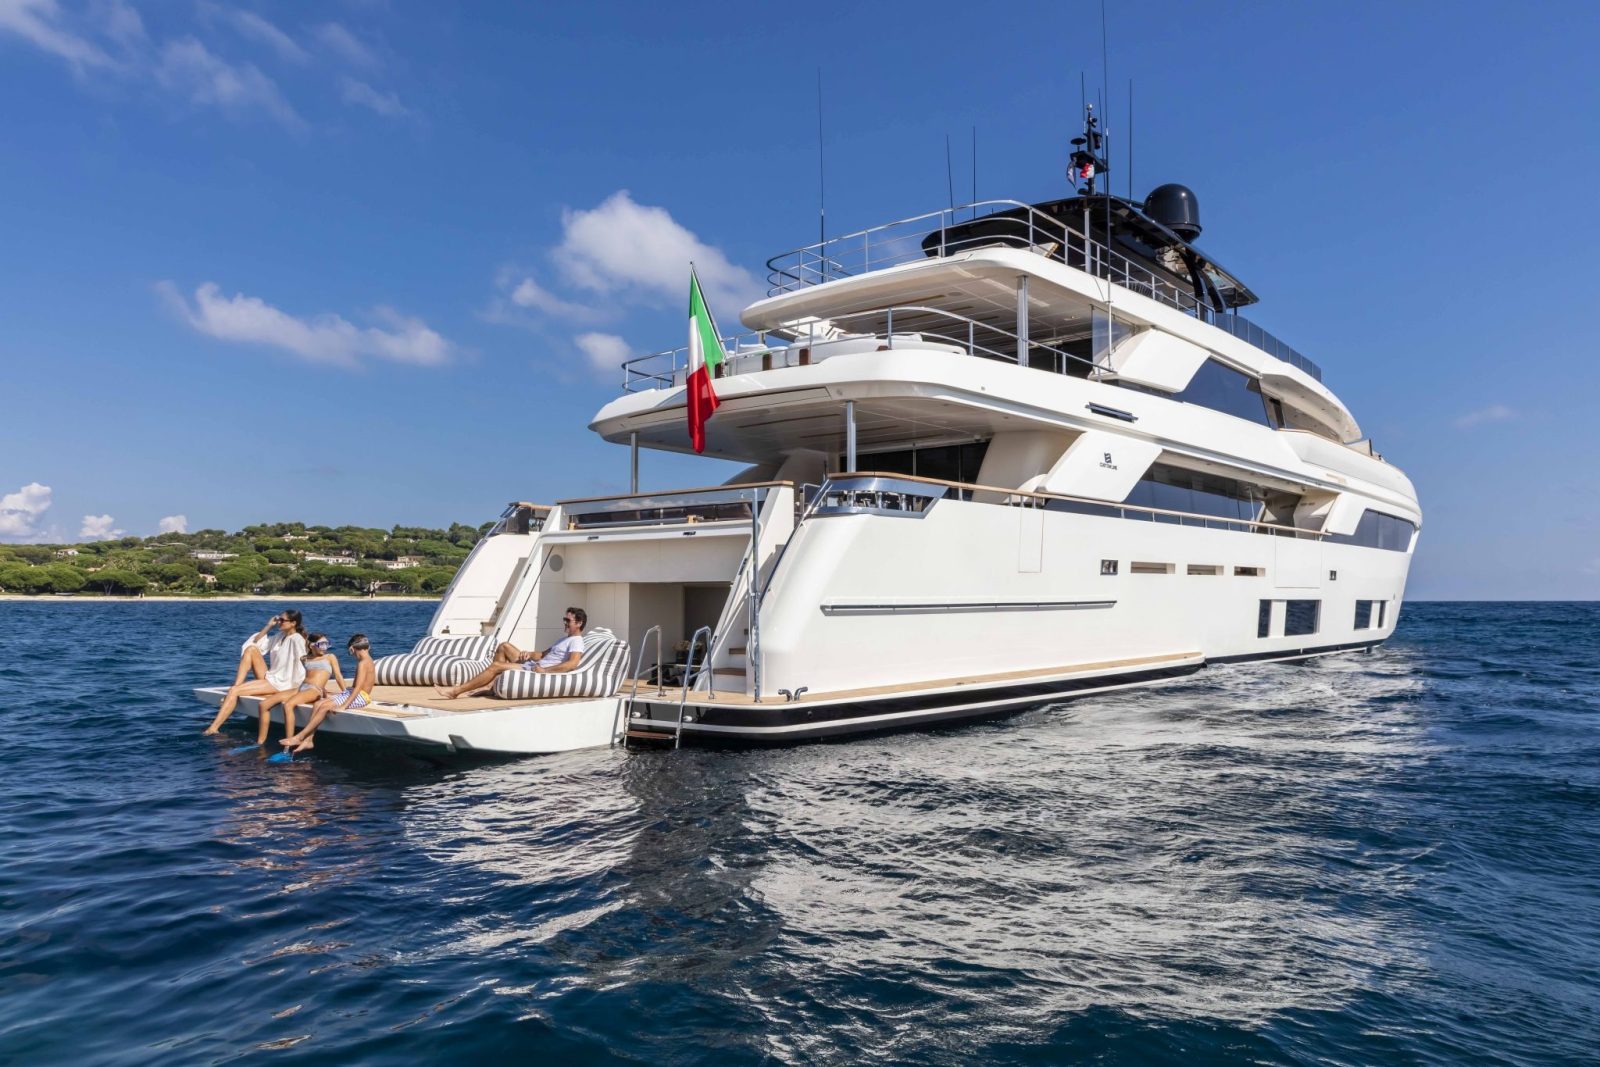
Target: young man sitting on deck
{"type": "Point", "coordinates": [564, 655]}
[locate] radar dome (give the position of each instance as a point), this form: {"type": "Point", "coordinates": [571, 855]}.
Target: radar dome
{"type": "Point", "coordinates": [1175, 207]}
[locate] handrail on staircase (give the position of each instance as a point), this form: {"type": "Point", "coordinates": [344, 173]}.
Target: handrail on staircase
{"type": "Point", "coordinates": [688, 677]}
{"type": "Point", "coordinates": [638, 664]}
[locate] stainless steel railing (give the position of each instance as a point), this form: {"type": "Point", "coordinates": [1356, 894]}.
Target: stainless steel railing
{"type": "Point", "coordinates": [1009, 223]}
{"type": "Point", "coordinates": [861, 491]}
{"type": "Point", "coordinates": [879, 329]}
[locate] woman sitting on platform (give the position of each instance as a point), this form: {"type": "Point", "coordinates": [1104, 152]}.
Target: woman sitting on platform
{"type": "Point", "coordinates": [285, 649]}
{"type": "Point", "coordinates": [320, 665]}
{"type": "Point", "coordinates": [356, 695]}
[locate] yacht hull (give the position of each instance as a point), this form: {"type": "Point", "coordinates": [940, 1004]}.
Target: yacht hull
{"type": "Point", "coordinates": [529, 729]}
{"type": "Point", "coordinates": [733, 720]}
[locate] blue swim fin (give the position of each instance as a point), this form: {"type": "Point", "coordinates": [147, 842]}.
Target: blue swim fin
{"type": "Point", "coordinates": [281, 757]}
{"type": "Point", "coordinates": [242, 748]}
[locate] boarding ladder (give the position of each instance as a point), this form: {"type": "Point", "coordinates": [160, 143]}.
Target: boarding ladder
{"type": "Point", "coordinates": [652, 734]}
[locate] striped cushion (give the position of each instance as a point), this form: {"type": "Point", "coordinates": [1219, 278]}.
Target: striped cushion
{"type": "Point", "coordinates": [410, 669]}
{"type": "Point", "coordinates": [437, 661]}
{"type": "Point", "coordinates": [600, 671]}
{"type": "Point", "coordinates": [466, 647]}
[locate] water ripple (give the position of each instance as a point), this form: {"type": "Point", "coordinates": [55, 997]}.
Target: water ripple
{"type": "Point", "coordinates": [1374, 858]}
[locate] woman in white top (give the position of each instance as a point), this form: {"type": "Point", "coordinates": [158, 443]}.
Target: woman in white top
{"type": "Point", "coordinates": [285, 650]}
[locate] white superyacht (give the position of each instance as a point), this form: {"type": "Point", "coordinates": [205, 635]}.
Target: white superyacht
{"type": "Point", "coordinates": [998, 456]}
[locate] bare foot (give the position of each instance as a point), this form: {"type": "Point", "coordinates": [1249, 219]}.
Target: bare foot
{"type": "Point", "coordinates": [441, 691]}
{"type": "Point", "coordinates": [287, 741]}
{"type": "Point", "coordinates": [209, 731]}
{"type": "Point", "coordinates": [304, 746]}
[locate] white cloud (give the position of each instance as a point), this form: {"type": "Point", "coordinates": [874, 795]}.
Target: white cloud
{"type": "Point", "coordinates": [363, 95]}
{"type": "Point", "coordinates": [619, 253]}
{"type": "Point", "coordinates": [173, 524]}
{"type": "Point", "coordinates": [625, 247]}
{"type": "Point", "coordinates": [628, 247]}
{"type": "Point", "coordinates": [38, 23]}
{"type": "Point", "coordinates": [1492, 413]}
{"type": "Point", "coordinates": [98, 528]}
{"type": "Point", "coordinates": [259, 29]}
{"type": "Point", "coordinates": [530, 294]}
{"type": "Point", "coordinates": [349, 47]}
{"type": "Point", "coordinates": [187, 67]}
{"type": "Point", "coordinates": [120, 22]}
{"type": "Point", "coordinates": [21, 511]}
{"type": "Point", "coordinates": [325, 338]}
{"type": "Point", "coordinates": [605, 352]}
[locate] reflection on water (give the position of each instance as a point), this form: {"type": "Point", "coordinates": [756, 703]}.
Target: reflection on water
{"type": "Point", "coordinates": [1308, 864]}
{"type": "Point", "coordinates": [1187, 852]}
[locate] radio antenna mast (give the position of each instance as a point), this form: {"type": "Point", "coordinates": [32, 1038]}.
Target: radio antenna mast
{"type": "Point", "coordinates": [822, 174]}
{"type": "Point", "coordinates": [949, 178]}
{"type": "Point", "coordinates": [1130, 138]}
{"type": "Point", "coordinates": [1105, 72]}
{"type": "Point", "coordinates": [974, 171]}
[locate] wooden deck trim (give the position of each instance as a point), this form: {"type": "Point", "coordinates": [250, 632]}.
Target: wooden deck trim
{"type": "Point", "coordinates": [394, 700]}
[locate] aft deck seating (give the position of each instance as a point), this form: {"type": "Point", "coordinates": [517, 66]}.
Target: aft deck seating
{"type": "Point", "coordinates": [437, 661]}
{"type": "Point", "coordinates": [599, 672]}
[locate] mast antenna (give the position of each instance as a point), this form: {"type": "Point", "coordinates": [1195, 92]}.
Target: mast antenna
{"type": "Point", "coordinates": [1130, 138]}
{"type": "Point", "coordinates": [1088, 160]}
{"type": "Point", "coordinates": [1105, 74]}
{"type": "Point", "coordinates": [949, 178]}
{"type": "Point", "coordinates": [974, 171]}
{"type": "Point", "coordinates": [822, 174]}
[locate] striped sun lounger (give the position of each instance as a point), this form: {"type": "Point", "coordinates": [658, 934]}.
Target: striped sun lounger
{"type": "Point", "coordinates": [599, 673]}
{"type": "Point", "coordinates": [437, 661]}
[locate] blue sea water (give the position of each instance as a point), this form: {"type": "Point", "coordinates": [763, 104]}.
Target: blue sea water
{"type": "Point", "coordinates": [1386, 858]}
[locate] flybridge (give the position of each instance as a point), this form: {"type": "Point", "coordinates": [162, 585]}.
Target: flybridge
{"type": "Point", "coordinates": [1144, 255]}
{"type": "Point", "coordinates": [1197, 287]}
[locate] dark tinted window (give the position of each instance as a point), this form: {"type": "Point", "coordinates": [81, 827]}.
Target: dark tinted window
{"type": "Point", "coordinates": [1224, 389]}
{"type": "Point", "coordinates": [1363, 614]}
{"type": "Point", "coordinates": [1300, 617]}
{"type": "Point", "coordinates": [951, 463]}
{"type": "Point", "coordinates": [1264, 619]}
{"type": "Point", "coordinates": [1377, 530]}
{"type": "Point", "coordinates": [1175, 489]}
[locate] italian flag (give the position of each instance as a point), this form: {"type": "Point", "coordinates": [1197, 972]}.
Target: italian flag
{"type": "Point", "coordinates": [705, 356]}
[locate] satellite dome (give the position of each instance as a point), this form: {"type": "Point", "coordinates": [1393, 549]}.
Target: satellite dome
{"type": "Point", "coordinates": [1175, 207]}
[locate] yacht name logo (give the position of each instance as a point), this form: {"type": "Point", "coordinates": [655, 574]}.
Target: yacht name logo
{"type": "Point", "coordinates": [1106, 463]}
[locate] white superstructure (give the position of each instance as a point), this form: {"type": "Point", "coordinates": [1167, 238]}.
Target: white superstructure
{"type": "Point", "coordinates": [998, 456]}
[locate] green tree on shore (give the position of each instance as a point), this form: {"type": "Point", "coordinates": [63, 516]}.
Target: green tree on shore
{"type": "Point", "coordinates": [267, 557]}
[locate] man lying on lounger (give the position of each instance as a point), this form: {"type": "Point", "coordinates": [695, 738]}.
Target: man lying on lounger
{"type": "Point", "coordinates": [564, 655]}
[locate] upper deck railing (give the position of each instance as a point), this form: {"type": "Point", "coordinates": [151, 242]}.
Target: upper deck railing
{"type": "Point", "coordinates": [1008, 223]}
{"type": "Point", "coordinates": [1251, 334]}
{"type": "Point", "coordinates": [880, 329]}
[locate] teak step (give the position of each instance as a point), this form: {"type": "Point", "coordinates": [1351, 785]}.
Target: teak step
{"type": "Point", "coordinates": [648, 735]}
{"type": "Point", "coordinates": [737, 650]}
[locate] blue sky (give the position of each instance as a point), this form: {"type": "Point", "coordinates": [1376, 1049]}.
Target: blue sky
{"type": "Point", "coordinates": [374, 262]}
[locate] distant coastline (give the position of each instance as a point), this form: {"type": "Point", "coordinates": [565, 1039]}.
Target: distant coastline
{"type": "Point", "coordinates": [265, 561]}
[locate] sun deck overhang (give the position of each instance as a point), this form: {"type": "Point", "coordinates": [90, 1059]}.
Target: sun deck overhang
{"type": "Point", "coordinates": [916, 397]}
{"type": "Point", "coordinates": [982, 286]}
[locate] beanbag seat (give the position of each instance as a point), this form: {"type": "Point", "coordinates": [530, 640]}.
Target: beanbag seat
{"type": "Point", "coordinates": [437, 661]}
{"type": "Point", "coordinates": [598, 674]}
